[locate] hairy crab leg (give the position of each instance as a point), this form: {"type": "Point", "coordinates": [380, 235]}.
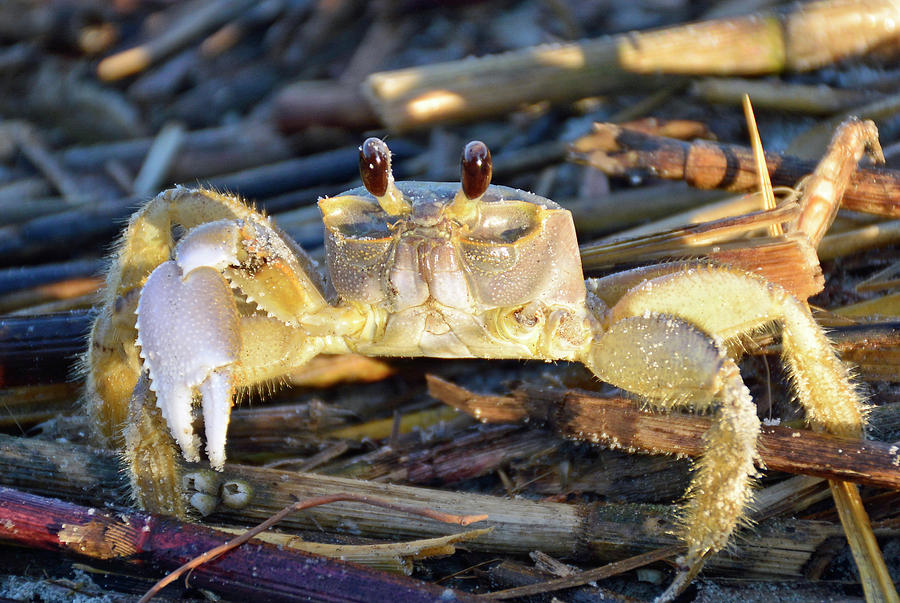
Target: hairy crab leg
{"type": "Point", "coordinates": [823, 192]}
{"type": "Point", "coordinates": [701, 295]}
{"type": "Point", "coordinates": [673, 364]}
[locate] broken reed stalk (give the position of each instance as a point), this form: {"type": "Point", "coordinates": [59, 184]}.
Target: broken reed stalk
{"type": "Point", "coordinates": [801, 38]}
{"type": "Point", "coordinates": [620, 423]}
{"type": "Point", "coordinates": [703, 164]}
{"type": "Point", "coordinates": [258, 572]}
{"type": "Point", "coordinates": [788, 259]}
{"type": "Point", "coordinates": [599, 532]}
{"type": "Point", "coordinates": [496, 84]}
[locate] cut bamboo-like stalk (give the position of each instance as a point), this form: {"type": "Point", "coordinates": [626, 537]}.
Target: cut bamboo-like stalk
{"type": "Point", "coordinates": [806, 36]}
{"type": "Point", "coordinates": [803, 38]}
{"type": "Point", "coordinates": [494, 84]}
{"type": "Point", "coordinates": [258, 572]}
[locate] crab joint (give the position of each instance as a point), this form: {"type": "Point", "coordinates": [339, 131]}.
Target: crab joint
{"type": "Point", "coordinates": [375, 172]}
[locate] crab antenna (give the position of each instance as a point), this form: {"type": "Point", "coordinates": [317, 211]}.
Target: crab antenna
{"type": "Point", "coordinates": [476, 168]}
{"type": "Point", "coordinates": [375, 171]}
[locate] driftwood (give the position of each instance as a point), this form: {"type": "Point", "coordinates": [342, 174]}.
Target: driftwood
{"type": "Point", "coordinates": [620, 423]}
{"type": "Point", "coordinates": [258, 571]}
{"type": "Point", "coordinates": [596, 532]}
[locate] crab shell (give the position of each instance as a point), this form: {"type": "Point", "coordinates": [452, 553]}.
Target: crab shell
{"type": "Point", "coordinates": [435, 268]}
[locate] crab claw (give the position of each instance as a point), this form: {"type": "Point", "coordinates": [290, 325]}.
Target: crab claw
{"type": "Point", "coordinates": [188, 330]}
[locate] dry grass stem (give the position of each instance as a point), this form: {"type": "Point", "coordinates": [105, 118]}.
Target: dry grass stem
{"type": "Point", "coordinates": [801, 39]}
{"type": "Point", "coordinates": [390, 556]}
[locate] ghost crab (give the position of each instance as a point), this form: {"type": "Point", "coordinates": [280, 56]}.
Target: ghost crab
{"type": "Point", "coordinates": [429, 269]}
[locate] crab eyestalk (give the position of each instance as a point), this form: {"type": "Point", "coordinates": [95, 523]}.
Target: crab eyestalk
{"type": "Point", "coordinates": [476, 168]}
{"type": "Point", "coordinates": [375, 171]}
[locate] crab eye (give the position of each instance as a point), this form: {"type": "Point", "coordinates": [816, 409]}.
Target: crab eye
{"type": "Point", "coordinates": [475, 169]}
{"type": "Point", "coordinates": [375, 166]}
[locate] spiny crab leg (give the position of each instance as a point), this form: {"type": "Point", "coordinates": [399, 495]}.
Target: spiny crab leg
{"type": "Point", "coordinates": [824, 188]}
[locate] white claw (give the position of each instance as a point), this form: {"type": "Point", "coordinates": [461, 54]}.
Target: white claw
{"type": "Point", "coordinates": [176, 410]}
{"type": "Point", "coordinates": [187, 329]}
{"type": "Point", "coordinates": [217, 393]}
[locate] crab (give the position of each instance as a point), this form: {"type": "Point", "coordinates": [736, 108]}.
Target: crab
{"type": "Point", "coordinates": [207, 297]}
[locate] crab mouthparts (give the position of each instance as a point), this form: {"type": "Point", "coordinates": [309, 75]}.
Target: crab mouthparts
{"type": "Point", "coordinates": [427, 269]}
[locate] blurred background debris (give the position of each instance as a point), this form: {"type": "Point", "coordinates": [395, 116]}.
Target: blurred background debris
{"type": "Point", "coordinates": [620, 111]}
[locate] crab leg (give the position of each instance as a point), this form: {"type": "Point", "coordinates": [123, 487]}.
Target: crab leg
{"type": "Point", "coordinates": [673, 364]}
{"type": "Point", "coordinates": [702, 296]}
